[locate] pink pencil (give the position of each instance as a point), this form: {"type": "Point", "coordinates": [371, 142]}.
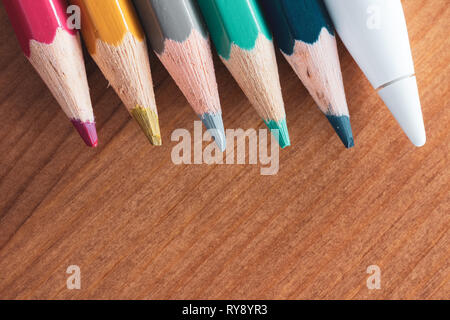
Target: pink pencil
{"type": "Point", "coordinates": [55, 52]}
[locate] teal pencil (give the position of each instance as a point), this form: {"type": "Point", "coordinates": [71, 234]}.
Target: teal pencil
{"type": "Point", "coordinates": [245, 46]}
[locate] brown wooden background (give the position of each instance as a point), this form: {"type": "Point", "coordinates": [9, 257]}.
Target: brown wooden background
{"type": "Point", "coordinates": [141, 227]}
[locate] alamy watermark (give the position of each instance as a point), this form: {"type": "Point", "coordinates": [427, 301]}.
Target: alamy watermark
{"type": "Point", "coordinates": [73, 282]}
{"type": "Point", "coordinates": [373, 17]}
{"type": "Point", "coordinates": [373, 21]}
{"type": "Point", "coordinates": [74, 20]}
{"type": "Point", "coordinates": [374, 280]}
{"type": "Point", "coordinates": [190, 150]}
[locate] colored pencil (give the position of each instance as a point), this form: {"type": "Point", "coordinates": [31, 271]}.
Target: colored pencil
{"type": "Point", "coordinates": [116, 41]}
{"type": "Point", "coordinates": [178, 35]}
{"type": "Point", "coordinates": [55, 52]}
{"type": "Point", "coordinates": [245, 45]}
{"type": "Point", "coordinates": [375, 33]}
{"type": "Point", "coordinates": [304, 33]}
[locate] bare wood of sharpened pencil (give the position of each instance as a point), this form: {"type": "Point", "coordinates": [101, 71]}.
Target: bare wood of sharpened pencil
{"type": "Point", "coordinates": [133, 83]}
{"type": "Point", "coordinates": [257, 75]}
{"type": "Point", "coordinates": [67, 82]}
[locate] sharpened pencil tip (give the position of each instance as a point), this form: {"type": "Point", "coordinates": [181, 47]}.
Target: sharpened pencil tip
{"type": "Point", "coordinates": [280, 131]}
{"type": "Point", "coordinates": [343, 128]}
{"type": "Point", "coordinates": [214, 124]}
{"type": "Point", "coordinates": [87, 131]}
{"type": "Point", "coordinates": [154, 140]}
{"type": "Point", "coordinates": [149, 123]}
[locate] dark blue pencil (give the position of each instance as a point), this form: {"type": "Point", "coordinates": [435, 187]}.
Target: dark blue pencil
{"type": "Point", "coordinates": [305, 35]}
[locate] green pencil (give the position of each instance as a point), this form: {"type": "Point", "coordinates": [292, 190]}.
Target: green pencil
{"type": "Point", "coordinates": [245, 45]}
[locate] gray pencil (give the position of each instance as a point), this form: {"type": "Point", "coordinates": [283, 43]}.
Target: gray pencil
{"type": "Point", "coordinates": [177, 33]}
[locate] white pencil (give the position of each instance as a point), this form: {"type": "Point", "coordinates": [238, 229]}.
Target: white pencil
{"type": "Point", "coordinates": [375, 33]}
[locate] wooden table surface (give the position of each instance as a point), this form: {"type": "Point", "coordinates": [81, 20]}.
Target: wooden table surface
{"type": "Point", "coordinates": [139, 226]}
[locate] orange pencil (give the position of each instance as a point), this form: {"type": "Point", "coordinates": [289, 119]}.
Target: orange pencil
{"type": "Point", "coordinates": [117, 43]}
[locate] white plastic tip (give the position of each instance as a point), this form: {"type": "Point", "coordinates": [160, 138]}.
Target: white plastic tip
{"type": "Point", "coordinates": [402, 99]}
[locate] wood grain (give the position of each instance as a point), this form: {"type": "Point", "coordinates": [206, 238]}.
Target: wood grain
{"type": "Point", "coordinates": [140, 227]}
